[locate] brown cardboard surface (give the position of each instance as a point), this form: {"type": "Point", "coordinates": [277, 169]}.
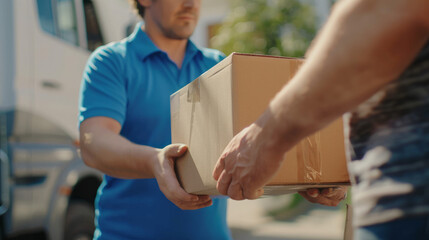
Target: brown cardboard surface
{"type": "Point", "coordinates": [208, 112]}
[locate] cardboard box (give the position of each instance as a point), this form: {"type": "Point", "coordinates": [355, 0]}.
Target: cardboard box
{"type": "Point", "coordinates": [209, 111]}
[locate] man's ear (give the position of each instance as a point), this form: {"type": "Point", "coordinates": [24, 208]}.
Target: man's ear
{"type": "Point", "coordinates": [145, 3]}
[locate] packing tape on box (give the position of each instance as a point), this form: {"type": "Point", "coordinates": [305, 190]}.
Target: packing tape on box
{"type": "Point", "coordinates": [193, 97]}
{"type": "Point", "coordinates": [194, 91]}
{"type": "Point", "coordinates": [309, 159]}
{"type": "Point", "coordinates": [175, 104]}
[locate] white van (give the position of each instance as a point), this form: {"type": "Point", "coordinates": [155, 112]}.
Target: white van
{"type": "Point", "coordinates": [47, 192]}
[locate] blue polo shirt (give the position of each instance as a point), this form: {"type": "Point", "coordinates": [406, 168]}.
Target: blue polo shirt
{"type": "Point", "coordinates": [131, 81]}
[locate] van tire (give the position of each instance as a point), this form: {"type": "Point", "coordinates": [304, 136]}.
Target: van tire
{"type": "Point", "coordinates": [79, 224]}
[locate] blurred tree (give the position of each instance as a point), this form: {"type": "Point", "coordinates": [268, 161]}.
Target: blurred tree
{"type": "Point", "coordinates": [273, 27]}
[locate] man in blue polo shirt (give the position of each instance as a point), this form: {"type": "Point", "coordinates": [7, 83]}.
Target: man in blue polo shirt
{"type": "Point", "coordinates": [125, 128]}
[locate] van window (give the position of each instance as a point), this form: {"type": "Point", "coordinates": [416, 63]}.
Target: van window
{"type": "Point", "coordinates": [46, 16]}
{"type": "Point", "coordinates": [58, 17]}
{"type": "Point", "coordinates": [93, 32]}
{"type": "Point", "coordinates": [67, 24]}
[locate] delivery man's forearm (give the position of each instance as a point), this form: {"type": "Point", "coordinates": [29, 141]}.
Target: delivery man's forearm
{"type": "Point", "coordinates": [104, 149]}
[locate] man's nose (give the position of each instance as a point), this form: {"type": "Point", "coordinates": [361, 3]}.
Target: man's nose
{"type": "Point", "coordinates": [190, 3]}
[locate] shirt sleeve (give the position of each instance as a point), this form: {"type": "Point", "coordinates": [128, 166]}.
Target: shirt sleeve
{"type": "Point", "coordinates": [103, 91]}
{"type": "Point", "coordinates": [212, 56]}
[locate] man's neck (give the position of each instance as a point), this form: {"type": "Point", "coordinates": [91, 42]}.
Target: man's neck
{"type": "Point", "coordinates": [175, 48]}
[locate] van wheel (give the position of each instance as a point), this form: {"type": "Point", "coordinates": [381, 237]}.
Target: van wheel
{"type": "Point", "coordinates": [79, 221]}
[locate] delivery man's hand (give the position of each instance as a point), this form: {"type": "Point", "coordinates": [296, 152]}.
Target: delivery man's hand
{"type": "Point", "coordinates": [246, 165]}
{"type": "Point", "coordinates": [325, 196]}
{"type": "Point", "coordinates": [163, 170]}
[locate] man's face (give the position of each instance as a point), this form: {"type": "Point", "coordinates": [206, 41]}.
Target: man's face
{"type": "Point", "coordinates": [176, 19]}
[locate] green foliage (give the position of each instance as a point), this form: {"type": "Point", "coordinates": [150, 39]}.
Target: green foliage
{"type": "Point", "coordinates": [291, 209]}
{"type": "Point", "coordinates": [273, 27]}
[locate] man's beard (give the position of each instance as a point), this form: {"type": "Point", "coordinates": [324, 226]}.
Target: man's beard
{"type": "Point", "coordinates": [178, 34]}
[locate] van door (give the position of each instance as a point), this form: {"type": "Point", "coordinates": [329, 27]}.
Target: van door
{"type": "Point", "coordinates": [59, 61]}
{"type": "Point", "coordinates": [65, 33]}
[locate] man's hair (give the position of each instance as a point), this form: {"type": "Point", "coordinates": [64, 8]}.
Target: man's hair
{"type": "Point", "coordinates": [138, 8]}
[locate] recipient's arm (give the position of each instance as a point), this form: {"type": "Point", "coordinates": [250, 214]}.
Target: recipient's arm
{"type": "Point", "coordinates": [365, 45]}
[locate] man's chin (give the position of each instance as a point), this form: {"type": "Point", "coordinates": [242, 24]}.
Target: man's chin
{"type": "Point", "coordinates": [180, 34]}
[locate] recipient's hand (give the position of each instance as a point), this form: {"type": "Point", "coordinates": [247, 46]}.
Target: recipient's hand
{"type": "Point", "coordinates": [325, 196]}
{"type": "Point", "coordinates": [168, 183]}
{"type": "Point", "coordinates": [246, 165]}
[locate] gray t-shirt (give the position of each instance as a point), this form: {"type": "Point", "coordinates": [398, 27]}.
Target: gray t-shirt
{"type": "Point", "coordinates": [389, 136]}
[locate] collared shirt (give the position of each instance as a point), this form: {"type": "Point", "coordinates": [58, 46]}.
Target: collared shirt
{"type": "Point", "coordinates": [131, 81]}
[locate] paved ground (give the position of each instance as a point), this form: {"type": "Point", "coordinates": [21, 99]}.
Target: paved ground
{"type": "Point", "coordinates": [248, 220]}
